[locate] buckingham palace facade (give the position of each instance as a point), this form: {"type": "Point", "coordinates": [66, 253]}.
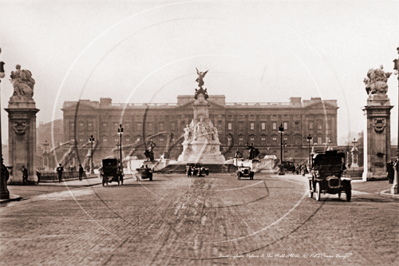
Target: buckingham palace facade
{"type": "Point", "coordinates": [237, 124]}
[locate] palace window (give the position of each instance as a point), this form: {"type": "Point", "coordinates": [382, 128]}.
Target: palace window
{"type": "Point", "coordinates": [319, 140]}
{"type": "Point", "coordinates": [138, 126]}
{"type": "Point", "coordinates": [229, 141]}
{"type": "Point", "coordinates": [150, 127]}
{"type": "Point", "coordinates": [172, 126]}
{"type": "Point", "coordinates": [285, 125]}
{"type": "Point", "coordinates": [161, 127]}
{"type": "Point", "coordinates": [229, 126]}
{"type": "Point", "coordinates": [263, 125]}
{"type": "Point", "coordinates": [274, 126]}
{"type": "Point", "coordinates": [252, 126]}
{"type": "Point", "coordinates": [310, 125]}
{"type": "Point", "coordinates": [240, 125]}
{"type": "Point", "coordinates": [320, 124]}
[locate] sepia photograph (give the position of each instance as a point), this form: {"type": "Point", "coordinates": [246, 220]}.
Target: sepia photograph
{"type": "Point", "coordinates": [199, 132]}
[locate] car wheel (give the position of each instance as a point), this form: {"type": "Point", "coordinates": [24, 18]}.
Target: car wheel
{"type": "Point", "coordinates": [339, 194]}
{"type": "Point", "coordinates": [310, 189]}
{"type": "Point", "coordinates": [103, 182]}
{"type": "Point", "coordinates": [348, 192]}
{"type": "Point", "coordinates": [318, 191]}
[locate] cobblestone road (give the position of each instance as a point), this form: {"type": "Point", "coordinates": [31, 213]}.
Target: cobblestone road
{"type": "Point", "coordinates": [215, 220]}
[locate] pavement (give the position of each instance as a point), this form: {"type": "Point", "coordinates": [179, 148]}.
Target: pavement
{"type": "Point", "coordinates": [20, 192]}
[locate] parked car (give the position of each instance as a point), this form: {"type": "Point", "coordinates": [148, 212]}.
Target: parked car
{"type": "Point", "coordinates": [111, 170]}
{"type": "Point", "coordinates": [245, 171]}
{"type": "Point", "coordinates": [326, 175]}
{"type": "Point", "coordinates": [196, 170]}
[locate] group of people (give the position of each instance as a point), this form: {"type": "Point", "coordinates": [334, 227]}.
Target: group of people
{"type": "Point", "coordinates": [60, 170]}
{"type": "Point", "coordinates": [302, 169]}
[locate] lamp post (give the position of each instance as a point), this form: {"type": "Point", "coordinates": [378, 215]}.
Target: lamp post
{"type": "Point", "coordinates": [4, 193]}
{"type": "Point", "coordinates": [395, 189]}
{"type": "Point", "coordinates": [281, 131]}
{"type": "Point", "coordinates": [91, 139]}
{"type": "Point", "coordinates": [120, 133]}
{"type": "Point", "coordinates": [309, 139]}
{"type": "Point", "coordinates": [284, 145]}
{"type": "Point", "coordinates": [46, 163]}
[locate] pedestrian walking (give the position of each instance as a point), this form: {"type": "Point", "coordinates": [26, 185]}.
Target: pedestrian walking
{"type": "Point", "coordinates": [81, 172]}
{"type": "Point", "coordinates": [60, 169]}
{"type": "Point", "coordinates": [24, 175]}
{"type": "Point", "coordinates": [303, 169]}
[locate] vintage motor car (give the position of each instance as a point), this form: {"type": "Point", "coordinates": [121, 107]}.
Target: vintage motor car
{"type": "Point", "coordinates": [146, 170]}
{"type": "Point", "coordinates": [110, 170]}
{"type": "Point", "coordinates": [326, 175]}
{"type": "Point", "coordinates": [245, 171]}
{"type": "Point", "coordinates": [196, 170]}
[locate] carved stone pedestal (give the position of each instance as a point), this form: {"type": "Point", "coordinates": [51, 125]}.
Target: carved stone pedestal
{"type": "Point", "coordinates": [22, 138]}
{"type": "Point", "coordinates": [377, 137]}
{"type": "Point", "coordinates": [201, 141]}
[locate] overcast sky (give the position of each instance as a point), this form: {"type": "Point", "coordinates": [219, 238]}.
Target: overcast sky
{"type": "Point", "coordinates": [147, 51]}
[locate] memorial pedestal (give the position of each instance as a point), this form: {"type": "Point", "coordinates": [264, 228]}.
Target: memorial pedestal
{"type": "Point", "coordinates": [201, 141]}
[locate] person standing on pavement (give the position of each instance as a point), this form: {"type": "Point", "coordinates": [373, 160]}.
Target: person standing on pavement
{"type": "Point", "coordinates": [60, 169]}
{"type": "Point", "coordinates": [24, 174]}
{"type": "Point", "coordinates": [38, 174]}
{"type": "Point", "coordinates": [4, 171]}
{"type": "Point", "coordinates": [81, 172]}
{"type": "Point", "coordinates": [391, 172]}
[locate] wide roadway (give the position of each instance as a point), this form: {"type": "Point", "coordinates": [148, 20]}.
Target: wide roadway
{"type": "Point", "coordinates": [213, 220]}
